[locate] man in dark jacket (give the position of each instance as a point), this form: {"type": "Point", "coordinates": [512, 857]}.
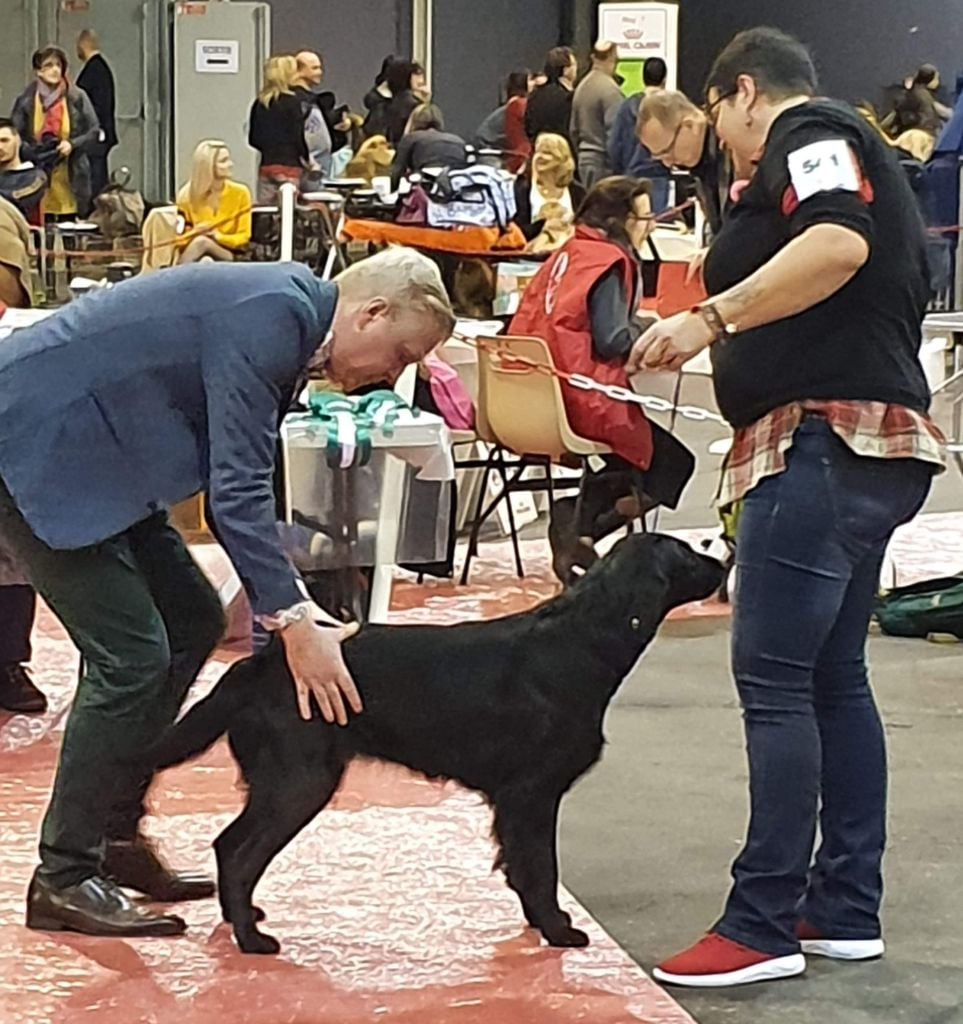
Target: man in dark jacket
{"type": "Point", "coordinates": [21, 182]}
{"type": "Point", "coordinates": [677, 134]}
{"type": "Point", "coordinates": [626, 154]}
{"type": "Point", "coordinates": [550, 105]}
{"type": "Point", "coordinates": [97, 80]}
{"type": "Point", "coordinates": [113, 409]}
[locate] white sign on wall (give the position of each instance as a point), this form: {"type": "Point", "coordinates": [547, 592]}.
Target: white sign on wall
{"type": "Point", "coordinates": [217, 56]}
{"type": "Point", "coordinates": [643, 30]}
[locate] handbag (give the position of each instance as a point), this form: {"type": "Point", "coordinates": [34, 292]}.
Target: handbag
{"type": "Point", "coordinates": [118, 210]}
{"type": "Point", "coordinates": [476, 196]}
{"type": "Point", "coordinates": [452, 401]}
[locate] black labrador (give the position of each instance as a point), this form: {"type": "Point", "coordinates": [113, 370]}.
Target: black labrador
{"type": "Point", "coordinates": [512, 708]}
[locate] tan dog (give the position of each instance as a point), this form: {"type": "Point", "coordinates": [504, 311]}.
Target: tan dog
{"type": "Point", "coordinates": [372, 160]}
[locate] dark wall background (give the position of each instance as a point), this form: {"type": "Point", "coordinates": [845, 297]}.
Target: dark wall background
{"type": "Point", "coordinates": [860, 45]}
{"type": "Point", "coordinates": [477, 43]}
{"type": "Point", "coordinates": [353, 36]}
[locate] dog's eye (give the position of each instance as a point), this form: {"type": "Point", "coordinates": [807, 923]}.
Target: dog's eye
{"type": "Point", "coordinates": [635, 622]}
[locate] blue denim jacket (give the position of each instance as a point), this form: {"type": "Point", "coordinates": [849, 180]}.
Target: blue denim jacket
{"type": "Point", "coordinates": [139, 396]}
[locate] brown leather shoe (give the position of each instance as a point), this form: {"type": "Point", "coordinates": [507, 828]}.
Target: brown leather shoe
{"type": "Point", "coordinates": [18, 692]}
{"type": "Point", "coordinates": [136, 864]}
{"type": "Point", "coordinates": [94, 907]}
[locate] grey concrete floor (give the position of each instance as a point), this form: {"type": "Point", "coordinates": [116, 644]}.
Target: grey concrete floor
{"type": "Point", "coordinates": [648, 836]}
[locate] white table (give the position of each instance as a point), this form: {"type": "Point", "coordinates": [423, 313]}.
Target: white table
{"type": "Point", "coordinates": [421, 441]}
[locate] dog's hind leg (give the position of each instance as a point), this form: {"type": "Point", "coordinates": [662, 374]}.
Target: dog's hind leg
{"type": "Point", "coordinates": [273, 816]}
{"type": "Point", "coordinates": [525, 825]}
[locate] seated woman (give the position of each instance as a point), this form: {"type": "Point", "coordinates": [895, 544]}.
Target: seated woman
{"type": "Point", "coordinates": [426, 144]}
{"type": "Point", "coordinates": [548, 178]}
{"type": "Point", "coordinates": [583, 303]}
{"type": "Point", "coordinates": [215, 209]}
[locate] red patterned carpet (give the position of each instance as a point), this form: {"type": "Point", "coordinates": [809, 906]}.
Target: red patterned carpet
{"type": "Point", "coordinates": [386, 906]}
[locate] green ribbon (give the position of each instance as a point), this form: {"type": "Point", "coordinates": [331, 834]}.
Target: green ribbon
{"type": "Point", "coordinates": [378, 410]}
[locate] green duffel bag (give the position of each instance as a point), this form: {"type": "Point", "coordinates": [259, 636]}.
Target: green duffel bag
{"type": "Point", "coordinates": [919, 610]}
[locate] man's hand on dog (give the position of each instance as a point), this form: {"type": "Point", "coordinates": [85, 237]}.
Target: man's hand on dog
{"type": "Point", "coordinates": [314, 657]}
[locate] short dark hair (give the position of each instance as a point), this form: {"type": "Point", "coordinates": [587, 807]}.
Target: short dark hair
{"type": "Point", "coordinates": [654, 72]}
{"type": "Point", "coordinates": [50, 53]}
{"type": "Point", "coordinates": [5, 122]}
{"type": "Point", "coordinates": [609, 203]}
{"type": "Point", "coordinates": [516, 84]}
{"type": "Point", "coordinates": [780, 64]}
{"type": "Point", "coordinates": [557, 61]}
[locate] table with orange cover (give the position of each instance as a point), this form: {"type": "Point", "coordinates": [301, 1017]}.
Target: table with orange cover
{"type": "Point", "coordinates": [465, 241]}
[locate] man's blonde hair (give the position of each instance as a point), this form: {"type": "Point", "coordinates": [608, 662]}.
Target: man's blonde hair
{"type": "Point", "coordinates": [667, 106]}
{"type": "Point", "coordinates": [406, 278]}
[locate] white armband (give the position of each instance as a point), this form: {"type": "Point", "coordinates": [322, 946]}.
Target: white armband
{"type": "Point", "coordinates": [825, 166]}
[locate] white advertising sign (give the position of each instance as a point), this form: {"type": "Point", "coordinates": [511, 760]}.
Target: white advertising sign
{"type": "Point", "coordinates": [643, 30]}
{"type": "Point", "coordinates": [217, 56]}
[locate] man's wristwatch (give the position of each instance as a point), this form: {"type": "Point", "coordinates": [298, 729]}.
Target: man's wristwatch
{"type": "Point", "coordinates": [715, 320]}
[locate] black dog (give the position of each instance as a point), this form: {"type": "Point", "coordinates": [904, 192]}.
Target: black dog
{"type": "Point", "coordinates": [512, 708]}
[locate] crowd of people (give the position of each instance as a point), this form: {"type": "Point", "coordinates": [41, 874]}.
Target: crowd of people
{"type": "Point", "coordinates": [816, 282]}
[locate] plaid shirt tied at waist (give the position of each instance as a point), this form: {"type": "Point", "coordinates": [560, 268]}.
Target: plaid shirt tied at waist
{"type": "Point", "coordinates": [872, 429]}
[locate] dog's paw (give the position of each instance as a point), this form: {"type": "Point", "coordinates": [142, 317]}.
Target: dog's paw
{"type": "Point", "coordinates": [257, 942]}
{"type": "Point", "coordinates": [566, 937]}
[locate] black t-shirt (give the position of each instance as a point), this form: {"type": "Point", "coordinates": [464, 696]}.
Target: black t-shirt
{"type": "Point", "coordinates": [861, 343]}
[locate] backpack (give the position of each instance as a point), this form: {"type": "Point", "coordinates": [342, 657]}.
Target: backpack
{"type": "Point", "coordinates": [476, 196]}
{"type": "Point", "coordinates": [931, 606]}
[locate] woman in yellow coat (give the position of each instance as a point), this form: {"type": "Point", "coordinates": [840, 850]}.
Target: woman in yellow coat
{"type": "Point", "coordinates": [216, 210]}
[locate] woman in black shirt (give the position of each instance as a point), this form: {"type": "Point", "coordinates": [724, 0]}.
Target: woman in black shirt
{"type": "Point", "coordinates": [406, 80]}
{"type": "Point", "coordinates": [276, 129]}
{"type": "Point", "coordinates": [818, 288]}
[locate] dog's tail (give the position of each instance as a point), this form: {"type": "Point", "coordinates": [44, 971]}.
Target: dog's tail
{"type": "Point", "coordinates": [208, 719]}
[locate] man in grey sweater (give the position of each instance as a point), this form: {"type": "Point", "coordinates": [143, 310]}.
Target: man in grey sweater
{"type": "Point", "coordinates": [594, 108]}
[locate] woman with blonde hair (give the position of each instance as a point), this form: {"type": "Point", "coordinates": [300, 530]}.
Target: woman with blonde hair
{"type": "Point", "coordinates": [276, 129]}
{"type": "Point", "coordinates": [549, 178]}
{"type": "Point", "coordinates": [216, 210]}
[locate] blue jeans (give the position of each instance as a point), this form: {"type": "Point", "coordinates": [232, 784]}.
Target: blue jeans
{"type": "Point", "coordinates": [809, 550]}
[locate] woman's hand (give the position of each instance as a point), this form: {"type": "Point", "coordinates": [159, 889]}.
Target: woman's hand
{"type": "Point", "coordinates": [314, 657]}
{"type": "Point", "coordinates": [670, 343]}
{"type": "Point", "coordinates": [65, 148]}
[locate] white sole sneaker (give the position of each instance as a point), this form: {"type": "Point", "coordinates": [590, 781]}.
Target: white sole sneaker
{"type": "Point", "coordinates": [844, 949]}
{"type": "Point", "coordinates": [768, 970]}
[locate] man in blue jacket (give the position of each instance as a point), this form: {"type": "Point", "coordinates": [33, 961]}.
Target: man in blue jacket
{"type": "Point", "coordinates": [111, 410]}
{"type": "Point", "coordinates": [626, 154]}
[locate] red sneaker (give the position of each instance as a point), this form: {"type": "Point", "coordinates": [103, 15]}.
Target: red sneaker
{"type": "Point", "coordinates": [714, 962]}
{"type": "Point", "coordinates": [815, 944]}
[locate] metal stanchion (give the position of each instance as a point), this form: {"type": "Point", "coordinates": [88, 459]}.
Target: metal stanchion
{"type": "Point", "coordinates": [288, 194]}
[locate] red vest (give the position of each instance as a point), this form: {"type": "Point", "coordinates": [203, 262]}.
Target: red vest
{"type": "Point", "coordinates": [555, 307]}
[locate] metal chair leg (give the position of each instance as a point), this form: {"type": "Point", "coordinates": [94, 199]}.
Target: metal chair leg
{"type": "Point", "coordinates": [507, 491]}
{"type": "Point", "coordinates": [478, 518]}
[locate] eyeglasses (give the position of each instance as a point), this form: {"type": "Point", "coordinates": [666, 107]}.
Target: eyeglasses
{"type": "Point", "coordinates": [711, 109]}
{"type": "Point", "coordinates": [664, 154]}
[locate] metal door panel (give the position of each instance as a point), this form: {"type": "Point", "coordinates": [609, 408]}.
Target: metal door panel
{"type": "Point", "coordinates": [19, 37]}
{"type": "Point", "coordinates": [119, 26]}
{"type": "Point", "coordinates": [214, 104]}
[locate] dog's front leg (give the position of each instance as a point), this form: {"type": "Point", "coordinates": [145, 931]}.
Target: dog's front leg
{"type": "Point", "coordinates": [525, 826]}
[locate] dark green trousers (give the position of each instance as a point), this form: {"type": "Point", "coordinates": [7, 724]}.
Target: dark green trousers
{"type": "Point", "coordinates": [145, 620]}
